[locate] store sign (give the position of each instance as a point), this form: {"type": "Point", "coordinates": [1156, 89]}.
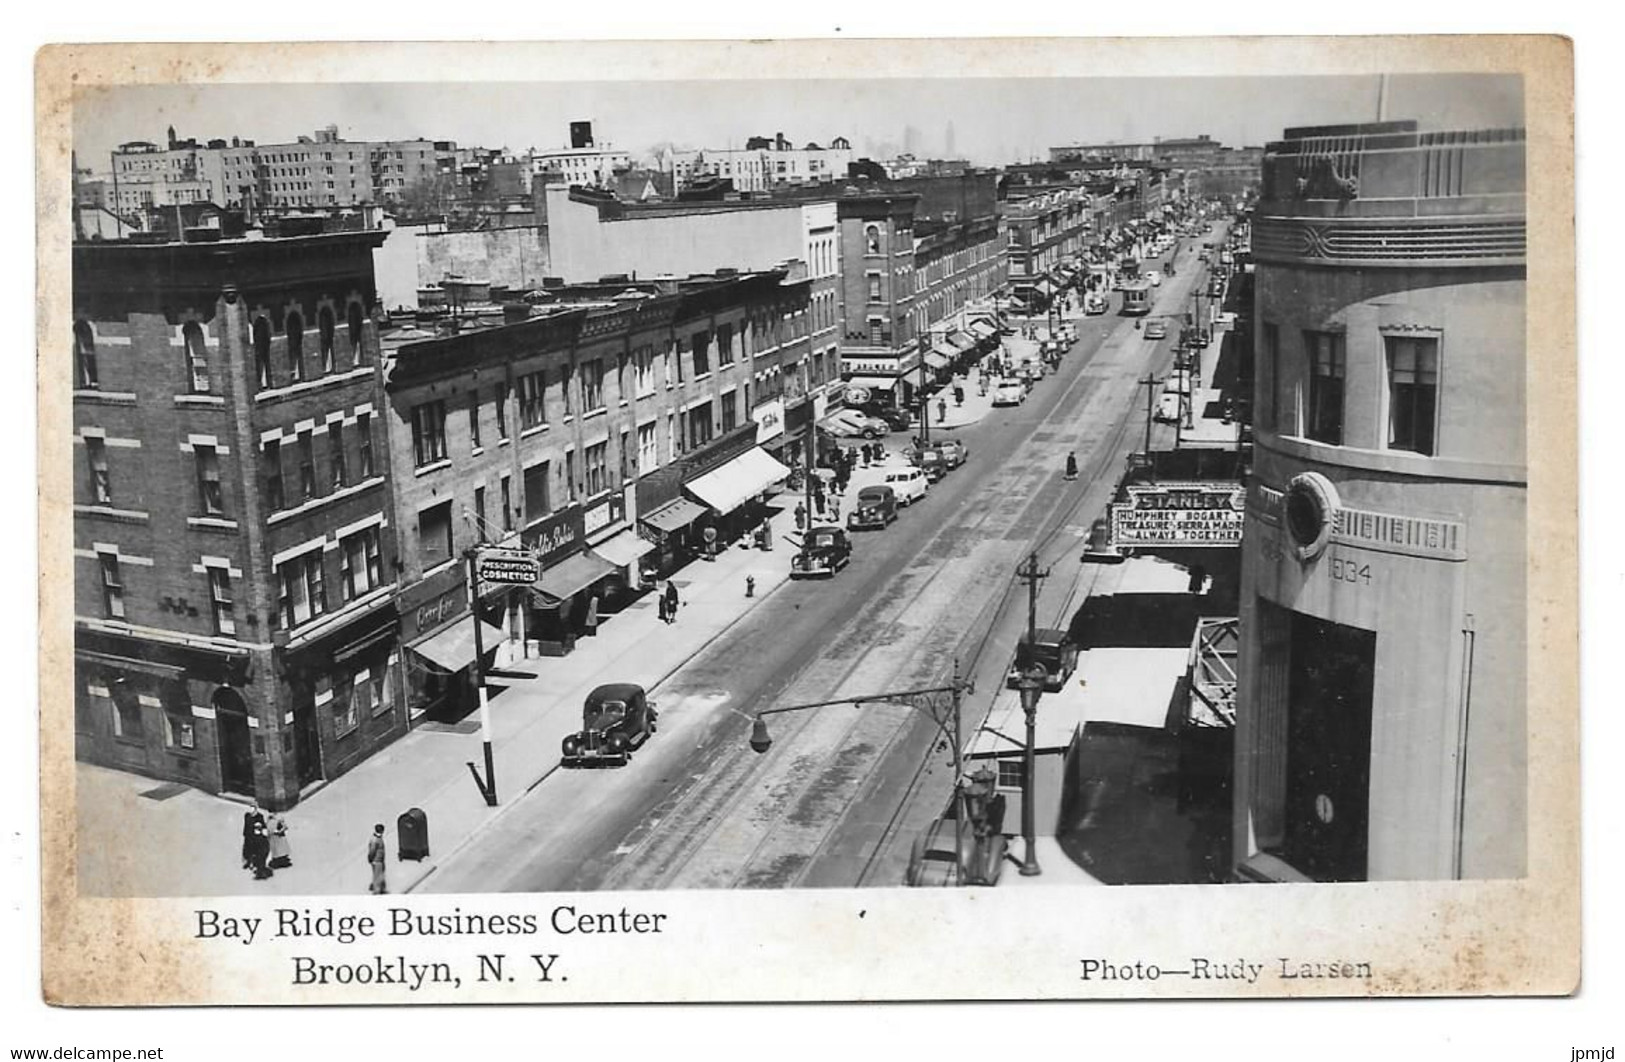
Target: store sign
{"type": "Point", "coordinates": [612, 510]}
{"type": "Point", "coordinates": [769, 418]}
{"type": "Point", "coordinates": [510, 567]}
{"type": "Point", "coordinates": [1178, 514]}
{"type": "Point", "coordinates": [556, 535]}
{"type": "Point", "coordinates": [430, 603]}
{"type": "Point", "coordinates": [872, 366]}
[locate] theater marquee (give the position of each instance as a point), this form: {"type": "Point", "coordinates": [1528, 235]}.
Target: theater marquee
{"type": "Point", "coordinates": [1178, 514]}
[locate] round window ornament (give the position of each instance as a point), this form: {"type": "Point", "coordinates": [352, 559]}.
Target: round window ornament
{"type": "Point", "coordinates": [1309, 511]}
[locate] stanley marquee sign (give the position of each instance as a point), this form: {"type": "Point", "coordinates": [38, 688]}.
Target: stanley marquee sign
{"type": "Point", "coordinates": [1179, 514]}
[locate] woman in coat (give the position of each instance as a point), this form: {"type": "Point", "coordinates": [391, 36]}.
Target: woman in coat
{"type": "Point", "coordinates": [281, 855]}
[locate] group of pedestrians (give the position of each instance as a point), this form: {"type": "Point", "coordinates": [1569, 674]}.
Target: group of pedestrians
{"type": "Point", "coordinates": [265, 842]}
{"type": "Point", "coordinates": [668, 603]}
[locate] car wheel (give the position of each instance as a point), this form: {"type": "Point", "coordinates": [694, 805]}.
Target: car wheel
{"type": "Point", "coordinates": [868, 433]}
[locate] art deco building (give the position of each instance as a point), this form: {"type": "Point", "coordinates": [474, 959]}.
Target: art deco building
{"type": "Point", "coordinates": [1382, 715]}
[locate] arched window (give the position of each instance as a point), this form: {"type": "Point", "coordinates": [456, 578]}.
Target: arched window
{"type": "Point", "coordinates": [84, 356]}
{"type": "Point", "coordinates": [325, 324]}
{"type": "Point", "coordinates": [262, 351]}
{"type": "Point", "coordinates": [295, 327]}
{"type": "Point", "coordinates": [197, 358]}
{"type": "Point", "coordinates": [358, 352]}
{"type": "Point", "coordinates": [871, 236]}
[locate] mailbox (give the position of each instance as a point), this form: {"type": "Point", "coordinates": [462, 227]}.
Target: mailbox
{"type": "Point", "coordinates": [413, 830]}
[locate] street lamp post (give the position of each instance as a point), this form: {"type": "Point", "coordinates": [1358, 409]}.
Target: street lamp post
{"type": "Point", "coordinates": [941, 704]}
{"type": "Point", "coordinates": [1030, 686]}
{"type": "Point", "coordinates": [925, 405]}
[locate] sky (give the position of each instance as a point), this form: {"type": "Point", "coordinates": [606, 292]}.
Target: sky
{"type": "Point", "coordinates": [995, 120]}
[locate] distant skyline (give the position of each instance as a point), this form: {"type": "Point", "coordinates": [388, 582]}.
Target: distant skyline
{"type": "Point", "coordinates": [990, 120]}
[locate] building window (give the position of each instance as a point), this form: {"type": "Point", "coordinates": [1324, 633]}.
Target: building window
{"type": "Point", "coordinates": [725, 344]}
{"type": "Point", "coordinates": [1011, 773]}
{"type": "Point", "coordinates": [295, 328]}
{"type": "Point", "coordinates": [596, 467]}
{"type": "Point", "coordinates": [644, 371]}
{"type": "Point", "coordinates": [307, 466]}
{"type": "Point", "coordinates": [871, 239]}
{"type": "Point", "coordinates": [874, 287]}
{"type": "Point", "coordinates": [271, 458]}
{"type": "Point", "coordinates": [1413, 393]}
{"type": "Point", "coordinates": [301, 589]}
{"type": "Point", "coordinates": [360, 563]}
{"type": "Point", "coordinates": [126, 712]}
{"type": "Point", "coordinates": [343, 706]}
{"type": "Point", "coordinates": [358, 348]}
{"type": "Point", "coordinates": [877, 332]}
{"type": "Point", "coordinates": [531, 410]}
{"type": "Point", "coordinates": [1272, 362]}
{"type": "Point", "coordinates": [112, 586]}
{"type": "Point", "coordinates": [729, 401]}
{"type": "Point", "coordinates": [702, 353]}
{"type": "Point", "coordinates": [101, 484]}
{"type": "Point", "coordinates": [538, 497]}
{"type": "Point", "coordinates": [592, 386]}
{"type": "Point", "coordinates": [474, 419]}
{"type": "Point", "coordinates": [338, 471]}
{"type": "Point", "coordinates": [363, 428]}
{"type": "Point", "coordinates": [1326, 369]}
{"type": "Point", "coordinates": [262, 352]}
{"type": "Point", "coordinates": [507, 504]}
{"type": "Point", "coordinates": [479, 513]}
{"type": "Point", "coordinates": [324, 322]}
{"type": "Point", "coordinates": [377, 691]}
{"type": "Point", "coordinates": [197, 360]}
{"type": "Point", "coordinates": [434, 535]}
{"type": "Point", "coordinates": [428, 433]}
{"type": "Point", "coordinates": [210, 500]}
{"type": "Point", "coordinates": [570, 474]}
{"type": "Point", "coordinates": [566, 383]}
{"type": "Point", "coordinates": [502, 411]}
{"type": "Point", "coordinates": [178, 729]}
{"type": "Point", "coordinates": [699, 425]}
{"type": "Point", "coordinates": [84, 356]}
{"type": "Point", "coordinates": [225, 622]}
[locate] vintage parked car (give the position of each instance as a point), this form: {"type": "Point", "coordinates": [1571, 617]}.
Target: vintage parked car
{"type": "Point", "coordinates": [876, 506]}
{"type": "Point", "coordinates": [1169, 407]}
{"type": "Point", "coordinates": [616, 720]}
{"type": "Point", "coordinates": [848, 422]}
{"type": "Point", "coordinates": [954, 452]}
{"type": "Point", "coordinates": [826, 551]}
{"type": "Point", "coordinates": [896, 419]}
{"type": "Point", "coordinates": [909, 483]}
{"type": "Point", "coordinates": [1157, 329]}
{"type": "Point", "coordinates": [1009, 393]}
{"type": "Point", "coordinates": [929, 459]}
{"type": "Point", "coordinates": [1052, 650]}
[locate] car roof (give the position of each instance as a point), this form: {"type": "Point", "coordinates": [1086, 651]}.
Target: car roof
{"type": "Point", "coordinates": [879, 489]}
{"type": "Point", "coordinates": [1048, 635]}
{"type": "Point", "coordinates": [615, 691]}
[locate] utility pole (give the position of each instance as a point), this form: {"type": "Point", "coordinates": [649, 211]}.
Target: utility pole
{"type": "Point", "coordinates": [1149, 383]}
{"type": "Point", "coordinates": [924, 343]}
{"type": "Point", "coordinates": [1031, 685]}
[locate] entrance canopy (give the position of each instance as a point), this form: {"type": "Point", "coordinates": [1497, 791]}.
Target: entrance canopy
{"type": "Point", "coordinates": [674, 516]}
{"type": "Point", "coordinates": [452, 649]}
{"type": "Point", "coordinates": [940, 356]}
{"type": "Point", "coordinates": [875, 383]}
{"type": "Point", "coordinates": [727, 488]}
{"type": "Point", "coordinates": [623, 549]}
{"type": "Point", "coordinates": [983, 330]}
{"type": "Point", "coordinates": [572, 575]}
{"type": "Point", "coordinates": [961, 341]}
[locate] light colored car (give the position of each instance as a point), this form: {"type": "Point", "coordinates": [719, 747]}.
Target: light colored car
{"type": "Point", "coordinates": [1156, 329]}
{"type": "Point", "coordinates": [1168, 408]}
{"type": "Point", "coordinates": [1009, 393]}
{"type": "Point", "coordinates": [908, 482]}
{"type": "Point", "coordinates": [848, 422]}
{"type": "Point", "coordinates": [1155, 278]}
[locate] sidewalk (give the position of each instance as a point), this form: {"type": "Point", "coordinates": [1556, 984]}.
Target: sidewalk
{"type": "Point", "coordinates": [181, 841]}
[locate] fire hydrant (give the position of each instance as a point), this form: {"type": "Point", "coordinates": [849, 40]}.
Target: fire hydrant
{"type": "Point", "coordinates": [750, 586]}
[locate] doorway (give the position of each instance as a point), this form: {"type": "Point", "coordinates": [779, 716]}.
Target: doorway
{"type": "Point", "coordinates": [236, 745]}
{"type": "Point", "coordinates": [1328, 761]}
{"type": "Point", "coordinates": [307, 748]}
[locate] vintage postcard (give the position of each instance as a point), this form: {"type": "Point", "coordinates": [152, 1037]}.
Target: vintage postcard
{"type": "Point", "coordinates": [821, 520]}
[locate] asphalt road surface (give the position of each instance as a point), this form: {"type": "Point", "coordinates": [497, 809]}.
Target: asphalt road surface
{"type": "Point", "coordinates": [838, 797]}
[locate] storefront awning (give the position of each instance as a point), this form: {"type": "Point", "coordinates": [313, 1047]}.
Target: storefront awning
{"type": "Point", "coordinates": [962, 341]}
{"type": "Point", "coordinates": [674, 516]}
{"type": "Point", "coordinates": [623, 549]}
{"type": "Point", "coordinates": [874, 383]}
{"type": "Point", "coordinates": [940, 356]}
{"type": "Point", "coordinates": [452, 649]}
{"type": "Point", "coordinates": [572, 575]}
{"type": "Point", "coordinates": [983, 330]}
{"type": "Point", "coordinates": [727, 488]}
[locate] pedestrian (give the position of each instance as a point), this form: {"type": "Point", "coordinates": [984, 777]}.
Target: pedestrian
{"type": "Point", "coordinates": [376, 859]}
{"type": "Point", "coordinates": [801, 515]}
{"type": "Point", "coordinates": [672, 601]}
{"type": "Point", "coordinates": [661, 609]}
{"type": "Point", "coordinates": [252, 819]}
{"type": "Point", "coordinates": [281, 854]}
{"type": "Point", "coordinates": [259, 848]}
{"type": "Point", "coordinates": [942, 409]}
{"type": "Point", "coordinates": [1071, 465]}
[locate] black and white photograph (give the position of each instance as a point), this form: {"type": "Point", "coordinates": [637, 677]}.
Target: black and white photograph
{"type": "Point", "coordinates": [544, 509]}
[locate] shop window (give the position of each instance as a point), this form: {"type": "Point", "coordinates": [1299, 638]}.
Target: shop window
{"type": "Point", "coordinates": [360, 563]}
{"type": "Point", "coordinates": [211, 501]}
{"type": "Point", "coordinates": [1413, 393]}
{"type": "Point", "coordinates": [428, 433]}
{"type": "Point", "coordinates": [271, 458]}
{"type": "Point", "coordinates": [301, 589]}
{"type": "Point", "coordinates": [324, 332]}
{"type": "Point", "coordinates": [112, 586]}
{"type": "Point", "coordinates": [101, 483]}
{"type": "Point", "coordinates": [1326, 372]}
{"type": "Point", "coordinates": [84, 357]}
{"type": "Point", "coordinates": [262, 352]}
{"type": "Point", "coordinates": [596, 467]}
{"type": "Point", "coordinates": [307, 466]}
{"type": "Point", "coordinates": [434, 535]}
{"type": "Point", "coordinates": [220, 601]}
{"type": "Point", "coordinates": [197, 358]}
{"type": "Point", "coordinates": [294, 326]}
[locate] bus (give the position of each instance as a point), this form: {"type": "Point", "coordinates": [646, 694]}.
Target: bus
{"type": "Point", "coordinates": [1136, 299]}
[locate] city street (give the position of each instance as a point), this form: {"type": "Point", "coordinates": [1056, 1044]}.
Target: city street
{"type": "Point", "coordinates": [837, 798]}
